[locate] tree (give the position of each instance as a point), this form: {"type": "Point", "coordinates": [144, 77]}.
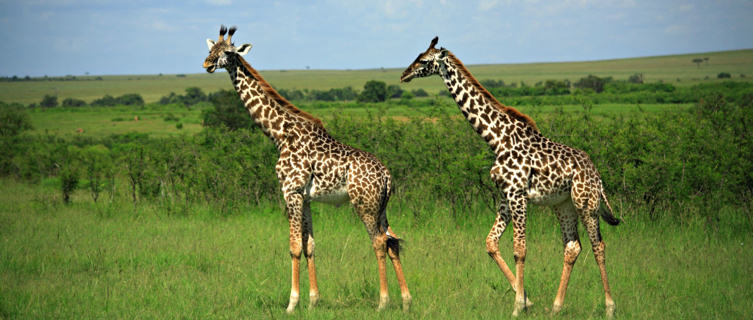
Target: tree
{"type": "Point", "coordinates": [373, 91]}
{"type": "Point", "coordinates": [49, 101]}
{"type": "Point", "coordinates": [73, 102]}
{"type": "Point", "coordinates": [592, 82]}
{"type": "Point", "coordinates": [698, 61]}
{"type": "Point", "coordinates": [394, 91]}
{"type": "Point", "coordinates": [228, 111]}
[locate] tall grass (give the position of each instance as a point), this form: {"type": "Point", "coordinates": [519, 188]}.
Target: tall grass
{"type": "Point", "coordinates": [117, 260]}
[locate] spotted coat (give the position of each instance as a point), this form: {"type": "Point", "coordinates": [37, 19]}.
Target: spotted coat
{"type": "Point", "coordinates": [313, 166]}
{"type": "Point", "coordinates": [529, 168]}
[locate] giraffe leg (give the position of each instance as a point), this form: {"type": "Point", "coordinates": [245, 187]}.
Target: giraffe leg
{"type": "Point", "coordinates": [308, 251]}
{"type": "Point", "coordinates": [379, 242]}
{"type": "Point", "coordinates": [517, 206]}
{"type": "Point", "coordinates": [393, 249]}
{"type": "Point", "coordinates": [294, 202]}
{"type": "Point", "coordinates": [591, 222]}
{"type": "Point", "coordinates": [492, 245]}
{"type": "Point", "coordinates": [568, 220]}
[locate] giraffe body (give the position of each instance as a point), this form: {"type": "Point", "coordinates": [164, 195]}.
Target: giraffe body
{"type": "Point", "coordinates": [528, 169]}
{"type": "Point", "coordinates": [313, 166]}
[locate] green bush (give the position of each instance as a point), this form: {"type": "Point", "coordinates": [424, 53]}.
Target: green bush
{"type": "Point", "coordinates": [49, 101]}
{"type": "Point", "coordinates": [373, 91]}
{"type": "Point", "coordinates": [73, 102]}
{"type": "Point", "coordinates": [228, 112]}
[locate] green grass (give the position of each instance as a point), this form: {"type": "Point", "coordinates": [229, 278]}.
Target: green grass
{"type": "Point", "coordinates": [116, 260]}
{"type": "Point", "coordinates": [152, 87]}
{"type": "Point", "coordinates": [99, 121]}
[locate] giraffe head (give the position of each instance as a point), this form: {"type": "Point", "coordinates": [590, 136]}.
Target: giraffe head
{"type": "Point", "coordinates": [222, 52]}
{"type": "Point", "coordinates": [428, 63]}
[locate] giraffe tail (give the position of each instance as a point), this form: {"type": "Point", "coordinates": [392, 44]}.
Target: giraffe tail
{"type": "Point", "coordinates": [606, 210]}
{"type": "Point", "coordinates": [393, 240]}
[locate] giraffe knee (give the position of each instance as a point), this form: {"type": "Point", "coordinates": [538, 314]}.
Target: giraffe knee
{"type": "Point", "coordinates": [572, 250]}
{"type": "Point", "coordinates": [492, 245]}
{"type": "Point", "coordinates": [296, 248]}
{"type": "Point", "coordinates": [519, 252]}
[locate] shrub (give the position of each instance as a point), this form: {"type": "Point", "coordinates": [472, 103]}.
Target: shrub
{"type": "Point", "coordinates": [723, 75]}
{"type": "Point", "coordinates": [592, 82]}
{"type": "Point", "coordinates": [636, 78]}
{"type": "Point", "coordinates": [49, 101]}
{"type": "Point", "coordinates": [73, 102]}
{"type": "Point", "coordinates": [373, 91]}
{"type": "Point", "coordinates": [130, 99]}
{"type": "Point", "coordinates": [13, 120]}
{"type": "Point", "coordinates": [106, 101]}
{"type": "Point", "coordinates": [394, 91]}
{"type": "Point", "coordinates": [228, 112]}
{"type": "Point", "coordinates": [420, 93]}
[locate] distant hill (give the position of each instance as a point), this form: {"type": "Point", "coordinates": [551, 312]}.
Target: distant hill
{"type": "Point", "coordinates": [676, 69]}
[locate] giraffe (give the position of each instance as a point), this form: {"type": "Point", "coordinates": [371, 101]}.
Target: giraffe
{"type": "Point", "coordinates": [529, 168]}
{"type": "Point", "coordinates": [313, 166]}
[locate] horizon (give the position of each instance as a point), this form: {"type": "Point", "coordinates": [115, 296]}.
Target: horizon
{"type": "Point", "coordinates": [385, 68]}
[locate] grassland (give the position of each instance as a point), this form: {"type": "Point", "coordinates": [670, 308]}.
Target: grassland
{"type": "Point", "coordinates": [676, 69]}
{"type": "Point", "coordinates": [117, 260]}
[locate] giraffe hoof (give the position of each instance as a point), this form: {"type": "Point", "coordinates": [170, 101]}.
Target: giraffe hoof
{"type": "Point", "coordinates": [407, 300]}
{"type": "Point", "coordinates": [610, 311]}
{"type": "Point", "coordinates": [556, 309]}
{"type": "Point", "coordinates": [383, 302]}
{"type": "Point", "coordinates": [313, 300]}
{"type": "Point", "coordinates": [519, 306]}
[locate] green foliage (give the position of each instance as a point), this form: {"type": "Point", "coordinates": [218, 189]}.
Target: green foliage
{"type": "Point", "coordinates": [49, 101]}
{"type": "Point", "coordinates": [394, 91]}
{"type": "Point", "coordinates": [106, 101]}
{"type": "Point", "coordinates": [592, 82]}
{"type": "Point", "coordinates": [636, 78]}
{"type": "Point", "coordinates": [228, 112]}
{"type": "Point", "coordinates": [73, 102]}
{"type": "Point", "coordinates": [373, 91]}
{"type": "Point", "coordinates": [128, 99]}
{"type": "Point", "coordinates": [13, 120]}
{"type": "Point", "coordinates": [724, 75]}
{"type": "Point", "coordinates": [420, 93]}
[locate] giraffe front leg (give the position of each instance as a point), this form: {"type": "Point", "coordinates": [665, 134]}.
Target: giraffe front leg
{"type": "Point", "coordinates": [492, 245]}
{"type": "Point", "coordinates": [518, 210]}
{"type": "Point", "coordinates": [294, 202]}
{"type": "Point", "coordinates": [308, 251]}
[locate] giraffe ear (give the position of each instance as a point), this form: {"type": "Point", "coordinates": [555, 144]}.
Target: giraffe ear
{"type": "Point", "coordinates": [442, 53]}
{"type": "Point", "coordinates": [244, 48]}
{"type": "Point", "coordinates": [210, 43]}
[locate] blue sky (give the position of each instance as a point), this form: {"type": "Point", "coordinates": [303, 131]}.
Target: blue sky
{"type": "Point", "coordinates": [60, 37]}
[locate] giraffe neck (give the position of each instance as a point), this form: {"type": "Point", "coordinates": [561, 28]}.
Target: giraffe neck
{"type": "Point", "coordinates": [274, 115]}
{"type": "Point", "coordinates": [489, 118]}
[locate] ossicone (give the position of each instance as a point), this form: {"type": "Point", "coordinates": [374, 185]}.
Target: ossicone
{"type": "Point", "coordinates": [434, 42]}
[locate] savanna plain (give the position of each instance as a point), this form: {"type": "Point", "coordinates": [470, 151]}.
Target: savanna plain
{"type": "Point", "coordinates": [169, 207]}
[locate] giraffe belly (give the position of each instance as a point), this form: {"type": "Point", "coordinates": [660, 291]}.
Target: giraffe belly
{"type": "Point", "coordinates": [335, 194]}
{"type": "Point", "coordinates": [540, 198]}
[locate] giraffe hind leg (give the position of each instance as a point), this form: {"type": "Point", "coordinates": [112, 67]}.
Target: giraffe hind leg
{"type": "Point", "coordinates": [308, 251]}
{"type": "Point", "coordinates": [568, 220]}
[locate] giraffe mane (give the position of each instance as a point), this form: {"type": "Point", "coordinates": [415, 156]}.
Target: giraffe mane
{"type": "Point", "coordinates": [512, 112]}
{"type": "Point", "coordinates": [272, 93]}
